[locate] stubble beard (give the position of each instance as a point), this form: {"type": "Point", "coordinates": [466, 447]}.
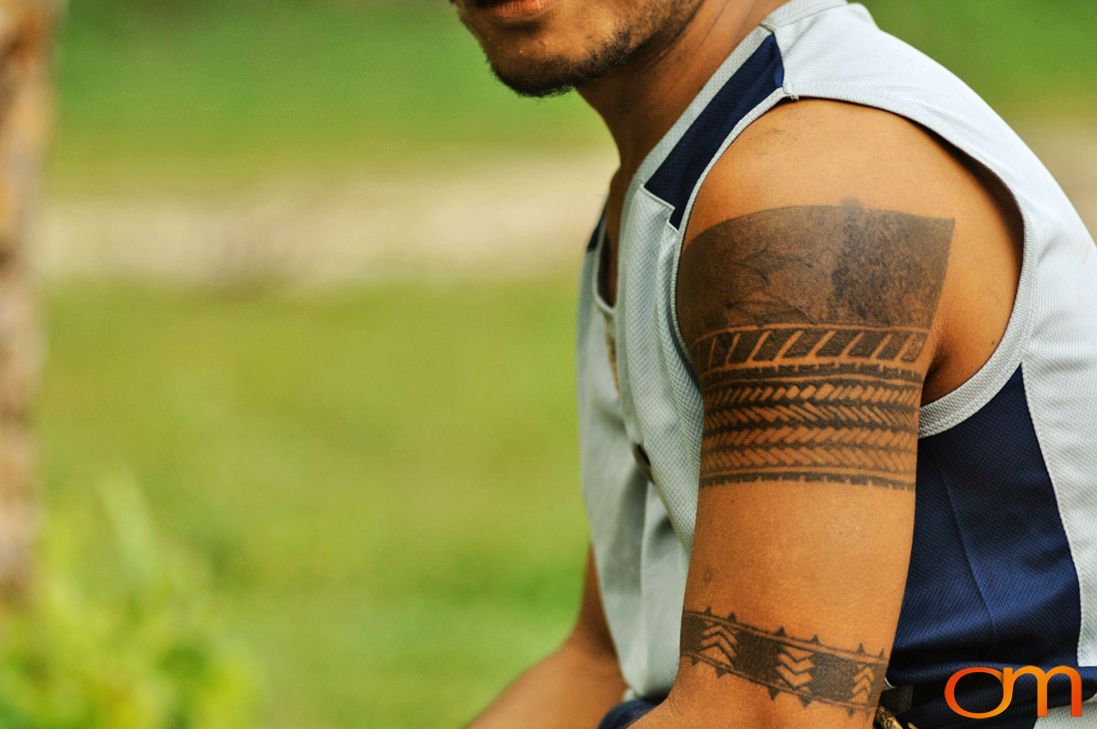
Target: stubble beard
{"type": "Point", "coordinates": [634, 38]}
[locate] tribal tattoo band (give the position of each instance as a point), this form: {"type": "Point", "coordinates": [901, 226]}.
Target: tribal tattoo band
{"type": "Point", "coordinates": [807, 669]}
{"type": "Point", "coordinates": [807, 327]}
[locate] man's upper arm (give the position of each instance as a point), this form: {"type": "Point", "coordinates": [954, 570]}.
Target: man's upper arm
{"type": "Point", "coordinates": [811, 327]}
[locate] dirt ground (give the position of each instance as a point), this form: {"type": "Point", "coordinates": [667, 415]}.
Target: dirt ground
{"type": "Point", "coordinates": [509, 217]}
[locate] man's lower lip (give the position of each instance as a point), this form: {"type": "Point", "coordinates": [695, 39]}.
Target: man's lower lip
{"type": "Point", "coordinates": [514, 11]}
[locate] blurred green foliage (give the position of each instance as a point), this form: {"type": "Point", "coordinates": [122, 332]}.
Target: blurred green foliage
{"type": "Point", "coordinates": [1032, 61]}
{"type": "Point", "coordinates": [135, 646]}
{"type": "Point", "coordinates": [215, 92]}
{"type": "Point", "coordinates": [384, 482]}
{"type": "Point", "coordinates": [207, 92]}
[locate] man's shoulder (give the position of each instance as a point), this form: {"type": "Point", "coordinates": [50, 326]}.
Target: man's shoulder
{"type": "Point", "coordinates": [822, 152]}
{"type": "Point", "coordinates": [828, 154]}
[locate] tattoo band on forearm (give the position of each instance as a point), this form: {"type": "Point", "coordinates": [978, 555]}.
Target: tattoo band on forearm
{"type": "Point", "coordinates": [808, 669]}
{"type": "Point", "coordinates": [807, 364]}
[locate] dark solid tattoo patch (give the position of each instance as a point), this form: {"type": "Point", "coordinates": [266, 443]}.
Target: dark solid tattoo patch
{"type": "Point", "coordinates": [805, 325]}
{"type": "Point", "coordinates": [808, 669]}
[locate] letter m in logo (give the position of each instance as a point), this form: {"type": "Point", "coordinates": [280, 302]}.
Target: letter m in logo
{"type": "Point", "coordinates": [1008, 676]}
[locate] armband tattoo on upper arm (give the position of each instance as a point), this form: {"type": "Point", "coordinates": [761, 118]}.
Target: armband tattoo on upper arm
{"type": "Point", "coordinates": [806, 327]}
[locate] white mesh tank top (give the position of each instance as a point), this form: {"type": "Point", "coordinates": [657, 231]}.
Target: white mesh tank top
{"type": "Point", "coordinates": [1018, 440]}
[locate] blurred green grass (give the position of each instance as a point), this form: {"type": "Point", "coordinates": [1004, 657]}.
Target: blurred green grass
{"type": "Point", "coordinates": [383, 481]}
{"type": "Point", "coordinates": [216, 92]}
{"type": "Point", "coordinates": [205, 93]}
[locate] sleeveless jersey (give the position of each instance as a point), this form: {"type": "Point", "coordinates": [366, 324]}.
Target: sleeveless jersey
{"type": "Point", "coordinates": [1003, 569]}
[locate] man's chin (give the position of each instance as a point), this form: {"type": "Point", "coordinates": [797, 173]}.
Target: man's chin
{"type": "Point", "coordinates": [535, 86]}
{"type": "Point", "coordinates": [557, 77]}
{"type": "Point", "coordinates": [543, 66]}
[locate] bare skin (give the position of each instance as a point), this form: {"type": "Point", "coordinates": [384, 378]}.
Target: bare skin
{"type": "Point", "coordinates": [841, 268]}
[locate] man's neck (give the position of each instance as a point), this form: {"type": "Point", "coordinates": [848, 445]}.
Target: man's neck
{"type": "Point", "coordinates": [640, 101]}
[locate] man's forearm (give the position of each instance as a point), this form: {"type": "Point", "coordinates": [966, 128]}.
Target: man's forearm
{"type": "Point", "coordinates": [710, 711]}
{"type": "Point", "coordinates": [572, 688]}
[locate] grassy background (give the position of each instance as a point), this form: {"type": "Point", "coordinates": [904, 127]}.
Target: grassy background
{"type": "Point", "coordinates": [204, 92]}
{"type": "Point", "coordinates": [384, 480]}
{"type": "Point", "coordinates": [343, 461]}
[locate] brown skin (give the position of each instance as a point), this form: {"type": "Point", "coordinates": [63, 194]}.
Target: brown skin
{"type": "Point", "coordinates": [828, 545]}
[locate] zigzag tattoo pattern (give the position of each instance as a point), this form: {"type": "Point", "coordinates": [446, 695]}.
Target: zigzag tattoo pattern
{"type": "Point", "coordinates": [808, 366]}
{"type": "Point", "coordinates": [840, 421]}
{"type": "Point", "coordinates": [807, 669]}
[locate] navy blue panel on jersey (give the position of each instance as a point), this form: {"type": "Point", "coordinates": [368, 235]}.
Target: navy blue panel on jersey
{"type": "Point", "coordinates": [595, 235]}
{"type": "Point", "coordinates": [624, 715]}
{"type": "Point", "coordinates": [761, 75]}
{"type": "Point", "coordinates": [992, 581]}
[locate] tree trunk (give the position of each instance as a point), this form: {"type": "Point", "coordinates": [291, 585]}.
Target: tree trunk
{"type": "Point", "coordinates": [26, 49]}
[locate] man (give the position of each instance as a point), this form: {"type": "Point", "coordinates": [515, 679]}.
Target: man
{"type": "Point", "coordinates": [837, 380]}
